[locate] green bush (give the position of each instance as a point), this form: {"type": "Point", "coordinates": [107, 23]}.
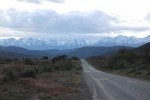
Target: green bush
{"type": "Point", "coordinates": [10, 76]}
{"type": "Point", "coordinates": [63, 65]}
{"type": "Point", "coordinates": [28, 73]}
{"type": "Point", "coordinates": [67, 66]}
{"type": "Point", "coordinates": [47, 69]}
{"type": "Point", "coordinates": [45, 58]}
{"type": "Point", "coordinates": [125, 54]}
{"type": "Point", "coordinates": [75, 58]}
{"type": "Point", "coordinates": [28, 61]}
{"type": "Point", "coordinates": [56, 59]}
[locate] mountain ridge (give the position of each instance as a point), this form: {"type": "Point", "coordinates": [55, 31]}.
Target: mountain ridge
{"type": "Point", "coordinates": [37, 44]}
{"type": "Point", "coordinates": [78, 52]}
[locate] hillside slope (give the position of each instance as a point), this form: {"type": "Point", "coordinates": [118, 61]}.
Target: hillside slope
{"type": "Point", "coordinates": [78, 52]}
{"type": "Point", "coordinates": [132, 63]}
{"type": "Point", "coordinates": [94, 51]}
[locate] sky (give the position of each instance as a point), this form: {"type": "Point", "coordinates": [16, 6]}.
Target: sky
{"type": "Point", "coordinates": [74, 18]}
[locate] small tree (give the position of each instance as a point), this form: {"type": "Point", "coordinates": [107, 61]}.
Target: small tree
{"type": "Point", "coordinates": [28, 73]}
{"type": "Point", "coordinates": [75, 58]}
{"type": "Point", "coordinates": [10, 76]}
{"type": "Point", "coordinates": [28, 61]}
{"type": "Point", "coordinates": [45, 58]}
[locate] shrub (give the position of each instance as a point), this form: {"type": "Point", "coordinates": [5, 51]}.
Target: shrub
{"type": "Point", "coordinates": [63, 65]}
{"type": "Point", "coordinates": [47, 69]}
{"type": "Point", "coordinates": [36, 70]}
{"type": "Point", "coordinates": [28, 61]}
{"type": "Point", "coordinates": [45, 58]}
{"type": "Point", "coordinates": [10, 76]}
{"type": "Point", "coordinates": [68, 65]}
{"type": "Point", "coordinates": [55, 59]}
{"type": "Point", "coordinates": [9, 60]}
{"type": "Point", "coordinates": [28, 73]}
{"type": "Point", "coordinates": [75, 58]}
{"type": "Point", "coordinates": [125, 54]}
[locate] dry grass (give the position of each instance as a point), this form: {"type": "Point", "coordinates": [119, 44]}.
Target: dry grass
{"type": "Point", "coordinates": [54, 85]}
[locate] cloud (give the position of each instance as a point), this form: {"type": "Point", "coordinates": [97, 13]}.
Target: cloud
{"type": "Point", "coordinates": [57, 1]}
{"type": "Point", "coordinates": [33, 1]}
{"type": "Point", "coordinates": [148, 17]}
{"type": "Point", "coordinates": [48, 21]}
{"type": "Point", "coordinates": [39, 1]}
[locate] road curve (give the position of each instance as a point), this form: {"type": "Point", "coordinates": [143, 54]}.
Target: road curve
{"type": "Point", "coordinates": [105, 86]}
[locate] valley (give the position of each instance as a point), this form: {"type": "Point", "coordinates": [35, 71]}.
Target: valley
{"type": "Point", "coordinates": [61, 75]}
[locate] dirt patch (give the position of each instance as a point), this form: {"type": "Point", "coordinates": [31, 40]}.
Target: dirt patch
{"type": "Point", "coordinates": [49, 87]}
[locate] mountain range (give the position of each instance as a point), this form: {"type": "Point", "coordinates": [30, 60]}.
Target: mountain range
{"type": "Point", "coordinates": [12, 51]}
{"type": "Point", "coordinates": [37, 44]}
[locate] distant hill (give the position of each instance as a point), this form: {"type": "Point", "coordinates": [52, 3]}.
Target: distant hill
{"type": "Point", "coordinates": [12, 50]}
{"type": "Point", "coordinates": [94, 51]}
{"type": "Point", "coordinates": [78, 52]}
{"type": "Point", "coordinates": [132, 63]}
{"type": "Point", "coordinates": [143, 49]}
{"type": "Point", "coordinates": [6, 54]}
{"type": "Point", "coordinates": [83, 52]}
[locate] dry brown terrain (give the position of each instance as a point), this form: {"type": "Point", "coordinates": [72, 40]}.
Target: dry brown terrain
{"type": "Point", "coordinates": [47, 83]}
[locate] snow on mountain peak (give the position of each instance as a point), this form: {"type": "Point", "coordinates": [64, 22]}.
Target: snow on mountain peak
{"type": "Point", "coordinates": [32, 43]}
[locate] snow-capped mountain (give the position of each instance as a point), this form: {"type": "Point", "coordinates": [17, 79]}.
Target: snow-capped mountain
{"type": "Point", "coordinates": [122, 41]}
{"type": "Point", "coordinates": [37, 44]}
{"type": "Point", "coordinates": [28, 43]}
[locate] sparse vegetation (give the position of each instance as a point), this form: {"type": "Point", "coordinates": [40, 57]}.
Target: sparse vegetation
{"type": "Point", "coordinates": [28, 73]}
{"type": "Point", "coordinates": [130, 63]}
{"type": "Point", "coordinates": [25, 79]}
{"type": "Point", "coordinates": [9, 76]}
